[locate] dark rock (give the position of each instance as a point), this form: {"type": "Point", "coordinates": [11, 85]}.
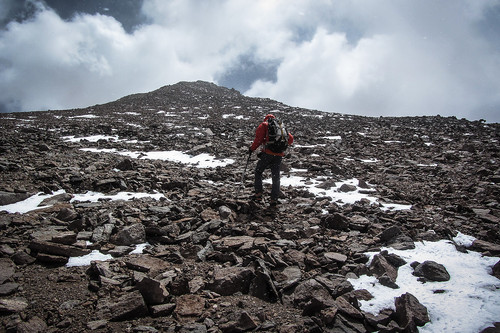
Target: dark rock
{"type": "Point", "coordinates": [380, 267]}
{"type": "Point", "coordinates": [153, 291]}
{"type": "Point", "coordinates": [335, 221]}
{"type": "Point", "coordinates": [230, 280]}
{"type": "Point", "coordinates": [484, 246]}
{"type": "Point", "coordinates": [7, 198]}
{"type": "Point", "coordinates": [189, 306]}
{"type": "Point", "coordinates": [63, 197]}
{"type": "Point", "coordinates": [8, 288]}
{"type": "Point", "coordinates": [13, 305]}
{"type": "Point", "coordinates": [389, 233]}
{"type": "Point", "coordinates": [347, 188]}
{"type": "Point", "coordinates": [57, 249]}
{"type": "Point", "coordinates": [312, 297]}
{"type": "Point", "coordinates": [7, 269]}
{"type": "Point", "coordinates": [130, 305]}
{"type": "Point", "coordinates": [134, 234]}
{"type": "Point", "coordinates": [410, 313]}
{"type": "Point", "coordinates": [34, 325]}
{"type": "Point", "coordinates": [432, 271]}
{"type": "Point", "coordinates": [496, 270]}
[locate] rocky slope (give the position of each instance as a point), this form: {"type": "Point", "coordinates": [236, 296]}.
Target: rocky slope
{"type": "Point", "coordinates": [217, 262]}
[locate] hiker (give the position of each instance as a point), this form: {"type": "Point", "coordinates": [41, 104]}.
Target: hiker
{"type": "Point", "coordinates": [271, 155]}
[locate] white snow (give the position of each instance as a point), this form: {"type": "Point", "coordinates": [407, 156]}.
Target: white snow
{"type": "Point", "coordinates": [87, 259]}
{"type": "Point", "coordinates": [91, 138]}
{"type": "Point", "coordinates": [311, 185]}
{"type": "Point", "coordinates": [95, 196]}
{"type": "Point", "coordinates": [32, 202]}
{"type": "Point", "coordinates": [469, 301]}
{"type": "Point", "coordinates": [29, 204]}
{"type": "Point", "coordinates": [201, 161]}
{"type": "Point", "coordinates": [88, 116]}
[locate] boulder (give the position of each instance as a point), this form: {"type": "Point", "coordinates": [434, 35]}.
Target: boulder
{"type": "Point", "coordinates": [125, 307]}
{"type": "Point", "coordinates": [189, 305]}
{"type": "Point", "coordinates": [230, 280]}
{"type": "Point", "coordinates": [153, 291]}
{"type": "Point", "coordinates": [410, 313]}
{"type": "Point", "coordinates": [134, 234]}
{"type": "Point", "coordinates": [431, 270]}
{"type": "Point", "coordinates": [7, 198]}
{"type": "Point", "coordinates": [7, 269]}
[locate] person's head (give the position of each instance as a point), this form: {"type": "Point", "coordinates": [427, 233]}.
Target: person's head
{"type": "Point", "coordinates": [269, 116]}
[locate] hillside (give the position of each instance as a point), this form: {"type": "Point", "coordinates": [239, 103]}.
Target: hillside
{"type": "Point", "coordinates": [163, 169]}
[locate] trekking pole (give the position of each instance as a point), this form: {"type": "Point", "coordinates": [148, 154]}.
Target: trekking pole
{"type": "Point", "coordinates": [242, 183]}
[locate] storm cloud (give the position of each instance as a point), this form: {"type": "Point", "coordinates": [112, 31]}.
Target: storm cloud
{"type": "Point", "coordinates": [358, 57]}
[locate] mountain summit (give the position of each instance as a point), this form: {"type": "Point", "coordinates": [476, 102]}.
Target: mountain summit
{"type": "Point", "coordinates": [124, 216]}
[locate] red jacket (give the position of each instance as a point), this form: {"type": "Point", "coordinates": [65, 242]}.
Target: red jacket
{"type": "Point", "coordinates": [261, 138]}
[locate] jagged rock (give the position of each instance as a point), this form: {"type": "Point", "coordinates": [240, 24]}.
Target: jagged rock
{"type": "Point", "coordinates": [347, 308]}
{"type": "Point", "coordinates": [57, 249]}
{"type": "Point", "coordinates": [496, 270]}
{"type": "Point", "coordinates": [431, 270]}
{"type": "Point", "coordinates": [335, 284]}
{"type": "Point", "coordinates": [410, 313]}
{"type": "Point", "coordinates": [8, 288]}
{"type": "Point", "coordinates": [244, 323]}
{"type": "Point", "coordinates": [162, 310]}
{"type": "Point", "coordinates": [146, 263]}
{"type": "Point", "coordinates": [389, 233]}
{"type": "Point", "coordinates": [22, 258]}
{"type": "Point", "coordinates": [484, 246]}
{"type": "Point", "coordinates": [134, 234]}
{"type": "Point", "coordinates": [7, 269]}
{"type": "Point", "coordinates": [312, 297]}
{"type": "Point", "coordinates": [335, 257]}
{"type": "Point", "coordinates": [67, 214]}
{"type": "Point", "coordinates": [102, 233]}
{"type": "Point", "coordinates": [34, 325]}
{"type": "Point", "coordinates": [347, 188]}
{"type": "Point", "coordinates": [13, 305]}
{"type": "Point", "coordinates": [335, 221]}
{"type": "Point", "coordinates": [63, 197]}
{"type": "Point", "coordinates": [384, 271]}
{"type": "Point", "coordinates": [230, 280]}
{"type": "Point", "coordinates": [153, 291]}
{"type": "Point", "coordinates": [288, 277]}
{"type": "Point", "coordinates": [126, 164]}
{"type": "Point", "coordinates": [128, 306]}
{"type": "Point", "coordinates": [189, 306]}
{"type": "Point", "coordinates": [7, 198]}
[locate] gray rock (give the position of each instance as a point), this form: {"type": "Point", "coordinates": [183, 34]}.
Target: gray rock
{"type": "Point", "coordinates": [153, 291]}
{"type": "Point", "coordinates": [130, 305]}
{"type": "Point", "coordinates": [410, 313]}
{"type": "Point", "coordinates": [134, 234]}
{"type": "Point", "coordinates": [7, 269]}
{"type": "Point", "coordinates": [7, 198]}
{"type": "Point", "coordinates": [230, 280]}
{"type": "Point", "coordinates": [431, 270]}
{"type": "Point", "coordinates": [34, 325]}
{"type": "Point", "coordinates": [189, 305]}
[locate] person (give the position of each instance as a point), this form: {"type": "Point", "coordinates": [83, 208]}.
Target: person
{"type": "Point", "coordinates": [267, 159]}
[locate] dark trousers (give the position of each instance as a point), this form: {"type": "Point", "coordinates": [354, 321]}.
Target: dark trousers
{"type": "Point", "coordinates": [273, 162]}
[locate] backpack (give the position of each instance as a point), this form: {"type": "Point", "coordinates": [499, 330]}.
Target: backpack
{"type": "Point", "coordinates": [277, 136]}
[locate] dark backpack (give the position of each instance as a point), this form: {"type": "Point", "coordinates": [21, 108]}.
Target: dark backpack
{"type": "Point", "coordinates": [277, 136]}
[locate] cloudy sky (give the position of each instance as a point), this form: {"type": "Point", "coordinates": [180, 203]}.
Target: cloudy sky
{"type": "Point", "coordinates": [375, 58]}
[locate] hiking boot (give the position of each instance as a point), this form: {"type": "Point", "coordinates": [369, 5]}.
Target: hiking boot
{"type": "Point", "coordinates": [257, 197]}
{"type": "Point", "coordinates": [274, 202]}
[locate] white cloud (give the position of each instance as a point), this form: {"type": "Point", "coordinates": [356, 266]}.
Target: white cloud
{"type": "Point", "coordinates": [372, 58]}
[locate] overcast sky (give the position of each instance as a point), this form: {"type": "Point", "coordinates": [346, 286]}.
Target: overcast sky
{"type": "Point", "coordinates": [374, 58]}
